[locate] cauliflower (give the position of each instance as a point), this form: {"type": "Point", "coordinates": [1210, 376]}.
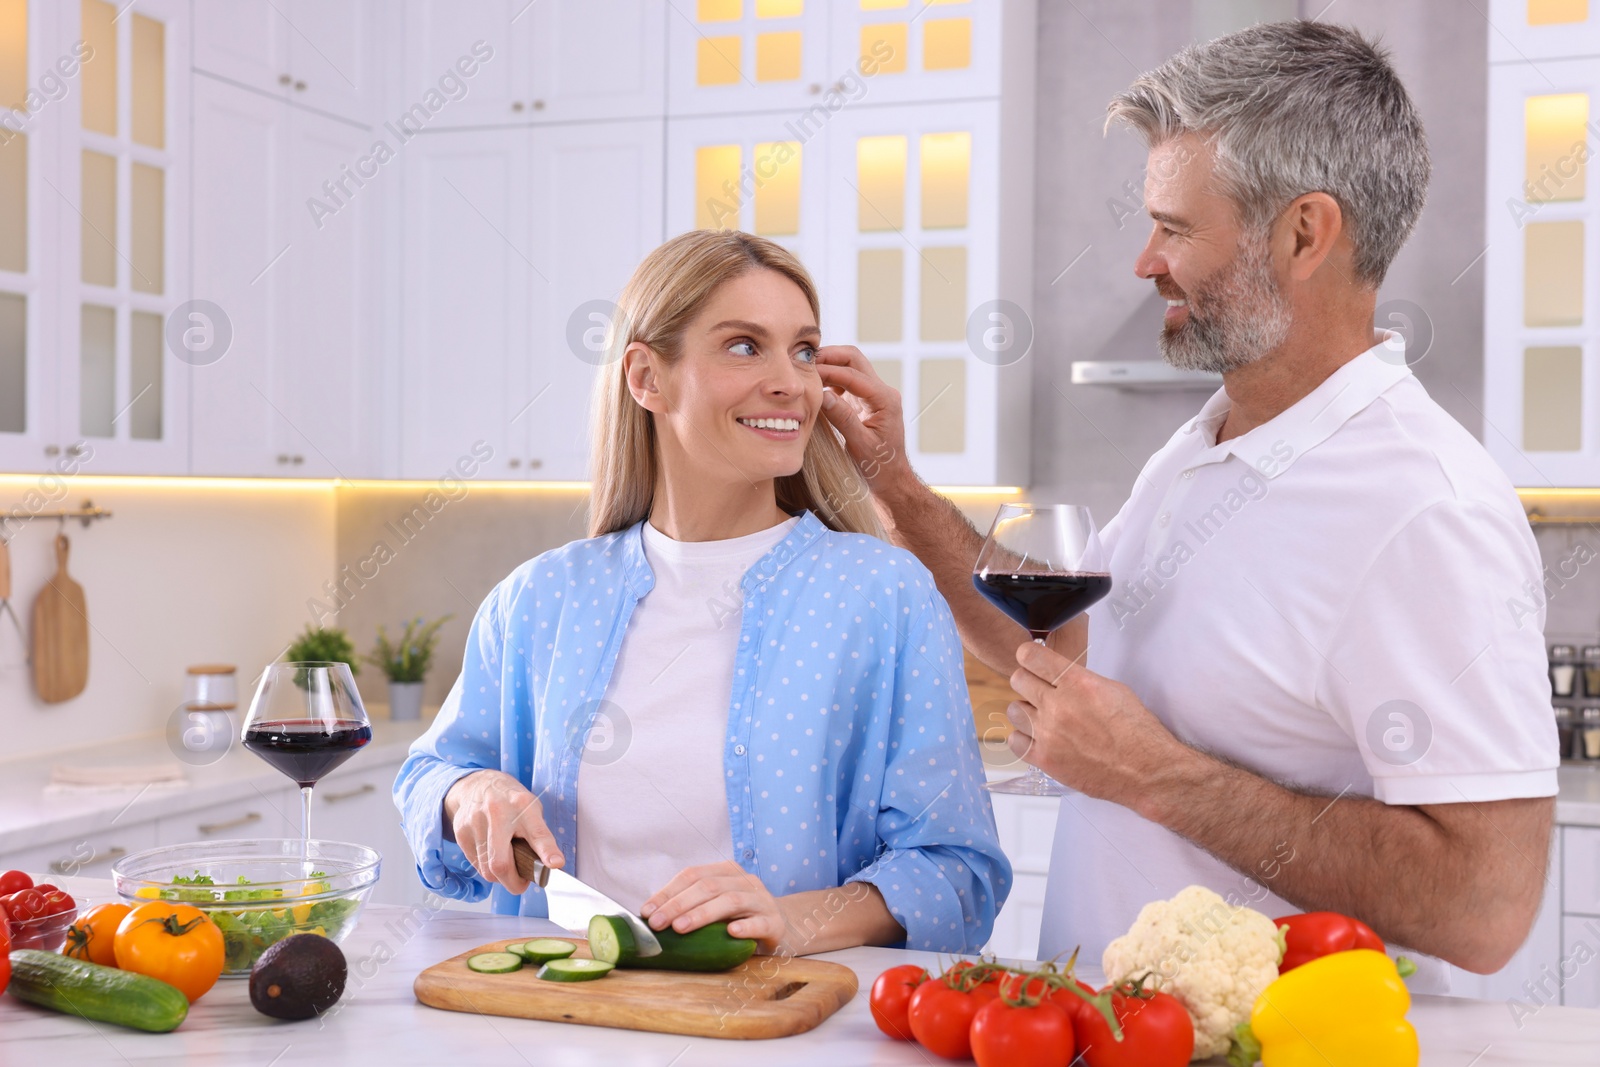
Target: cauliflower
{"type": "Point", "coordinates": [1215, 958]}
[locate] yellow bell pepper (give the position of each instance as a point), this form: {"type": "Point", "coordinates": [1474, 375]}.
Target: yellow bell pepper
{"type": "Point", "coordinates": [1346, 1009]}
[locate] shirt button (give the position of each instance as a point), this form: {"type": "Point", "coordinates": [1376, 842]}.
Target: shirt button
{"type": "Point", "coordinates": [1166, 517]}
{"type": "Point", "coordinates": [738, 750]}
{"type": "Point", "coordinates": [1189, 473]}
{"type": "Point", "coordinates": [749, 854]}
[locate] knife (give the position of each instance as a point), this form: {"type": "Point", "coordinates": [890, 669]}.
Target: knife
{"type": "Point", "coordinates": [572, 903]}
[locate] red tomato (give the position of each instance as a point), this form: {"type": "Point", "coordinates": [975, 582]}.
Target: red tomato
{"type": "Point", "coordinates": [24, 904]}
{"type": "Point", "coordinates": [12, 881]}
{"type": "Point", "coordinates": [1156, 1032]}
{"type": "Point", "coordinates": [891, 996]}
{"type": "Point", "coordinates": [5, 949]}
{"type": "Point", "coordinates": [57, 901]}
{"type": "Point", "coordinates": [1006, 1036]}
{"type": "Point", "coordinates": [941, 1017]}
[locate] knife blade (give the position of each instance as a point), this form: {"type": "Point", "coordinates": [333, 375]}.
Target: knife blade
{"type": "Point", "coordinates": [573, 903]}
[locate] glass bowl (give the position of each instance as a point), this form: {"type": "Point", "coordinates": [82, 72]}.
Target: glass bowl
{"type": "Point", "coordinates": [257, 891]}
{"type": "Point", "coordinates": [47, 932]}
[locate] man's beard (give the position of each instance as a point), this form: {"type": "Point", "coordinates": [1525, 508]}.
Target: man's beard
{"type": "Point", "coordinates": [1240, 317]}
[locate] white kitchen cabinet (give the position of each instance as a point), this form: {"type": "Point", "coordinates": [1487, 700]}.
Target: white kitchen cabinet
{"type": "Point", "coordinates": [320, 55]}
{"type": "Point", "coordinates": [1580, 952]}
{"type": "Point", "coordinates": [1027, 827]}
{"type": "Point", "coordinates": [1524, 30]}
{"type": "Point", "coordinates": [1542, 306]}
{"type": "Point", "coordinates": [594, 214]}
{"type": "Point", "coordinates": [914, 217]}
{"type": "Point", "coordinates": [291, 265]}
{"type": "Point", "coordinates": [89, 855]}
{"type": "Point", "coordinates": [270, 812]}
{"type": "Point", "coordinates": [510, 234]}
{"type": "Point", "coordinates": [467, 327]}
{"type": "Point", "coordinates": [742, 56]}
{"type": "Point", "coordinates": [101, 256]}
{"type": "Point", "coordinates": [356, 804]}
{"type": "Point", "coordinates": [511, 62]}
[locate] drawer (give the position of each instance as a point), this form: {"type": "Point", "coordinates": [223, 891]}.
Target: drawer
{"type": "Point", "coordinates": [1580, 863]}
{"type": "Point", "coordinates": [1027, 828]}
{"type": "Point", "coordinates": [266, 814]}
{"type": "Point", "coordinates": [89, 856]}
{"type": "Point", "coordinates": [1580, 942]}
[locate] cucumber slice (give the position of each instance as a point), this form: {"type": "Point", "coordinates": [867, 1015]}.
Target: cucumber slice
{"type": "Point", "coordinates": [611, 939]}
{"type": "Point", "coordinates": [544, 949]}
{"type": "Point", "coordinates": [515, 948]}
{"type": "Point", "coordinates": [568, 970]}
{"type": "Point", "coordinates": [494, 962]}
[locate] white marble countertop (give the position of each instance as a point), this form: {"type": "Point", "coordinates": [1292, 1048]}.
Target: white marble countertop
{"type": "Point", "coordinates": [379, 1020]}
{"type": "Point", "coordinates": [29, 816]}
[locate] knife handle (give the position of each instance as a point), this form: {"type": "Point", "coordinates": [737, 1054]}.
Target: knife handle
{"type": "Point", "coordinates": [529, 866]}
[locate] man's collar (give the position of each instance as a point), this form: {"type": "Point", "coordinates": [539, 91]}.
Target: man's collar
{"type": "Point", "coordinates": [1272, 447]}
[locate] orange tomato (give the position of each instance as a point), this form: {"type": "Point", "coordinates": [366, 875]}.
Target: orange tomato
{"type": "Point", "coordinates": [93, 937]}
{"type": "Point", "coordinates": [175, 943]}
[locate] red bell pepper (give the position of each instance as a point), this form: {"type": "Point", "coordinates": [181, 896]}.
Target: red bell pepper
{"type": "Point", "coordinates": [1321, 933]}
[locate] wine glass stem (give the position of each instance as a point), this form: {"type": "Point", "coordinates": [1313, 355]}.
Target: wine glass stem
{"type": "Point", "coordinates": [305, 813]}
{"type": "Point", "coordinates": [1034, 774]}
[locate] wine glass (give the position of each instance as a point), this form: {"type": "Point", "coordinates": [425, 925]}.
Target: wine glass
{"type": "Point", "coordinates": [1041, 564]}
{"type": "Point", "coordinates": [305, 720]}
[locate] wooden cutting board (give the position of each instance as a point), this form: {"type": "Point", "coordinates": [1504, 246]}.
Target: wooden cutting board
{"type": "Point", "coordinates": [766, 996]}
{"type": "Point", "coordinates": [60, 634]}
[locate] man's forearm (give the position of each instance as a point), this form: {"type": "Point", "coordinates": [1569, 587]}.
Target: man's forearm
{"type": "Point", "coordinates": [1400, 869]}
{"type": "Point", "coordinates": [934, 530]}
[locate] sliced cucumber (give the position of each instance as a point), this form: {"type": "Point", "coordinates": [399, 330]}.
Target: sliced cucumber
{"type": "Point", "coordinates": [544, 949]}
{"type": "Point", "coordinates": [709, 948]}
{"type": "Point", "coordinates": [611, 938]}
{"type": "Point", "coordinates": [568, 970]}
{"type": "Point", "coordinates": [515, 948]}
{"type": "Point", "coordinates": [494, 962]}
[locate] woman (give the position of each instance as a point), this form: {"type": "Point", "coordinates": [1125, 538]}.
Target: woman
{"type": "Point", "coordinates": [730, 702]}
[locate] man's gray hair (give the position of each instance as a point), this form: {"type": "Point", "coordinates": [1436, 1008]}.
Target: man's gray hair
{"type": "Point", "coordinates": [1291, 108]}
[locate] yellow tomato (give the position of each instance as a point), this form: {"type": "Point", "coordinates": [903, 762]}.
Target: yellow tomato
{"type": "Point", "coordinates": [93, 937]}
{"type": "Point", "coordinates": [176, 943]}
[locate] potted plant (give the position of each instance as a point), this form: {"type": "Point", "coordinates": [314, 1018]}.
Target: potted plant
{"type": "Point", "coordinates": [323, 645]}
{"type": "Point", "coordinates": [405, 661]}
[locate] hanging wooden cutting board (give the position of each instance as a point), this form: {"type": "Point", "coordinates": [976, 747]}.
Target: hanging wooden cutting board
{"type": "Point", "coordinates": [766, 996]}
{"type": "Point", "coordinates": [60, 634]}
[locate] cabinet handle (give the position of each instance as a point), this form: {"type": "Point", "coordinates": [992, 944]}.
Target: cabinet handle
{"type": "Point", "coordinates": [535, 464]}
{"type": "Point", "coordinates": [515, 463]}
{"type": "Point", "coordinates": [815, 88]}
{"type": "Point", "coordinates": [298, 460]}
{"type": "Point", "coordinates": [538, 105]}
{"type": "Point", "coordinates": [70, 867]}
{"type": "Point", "coordinates": [284, 79]}
{"type": "Point", "coordinates": [299, 87]}
{"type": "Point", "coordinates": [361, 791]}
{"type": "Point", "coordinates": [52, 450]}
{"type": "Point", "coordinates": [233, 824]}
{"type": "Point", "coordinates": [283, 457]}
{"type": "Point", "coordinates": [516, 105]}
{"type": "Point", "coordinates": [74, 450]}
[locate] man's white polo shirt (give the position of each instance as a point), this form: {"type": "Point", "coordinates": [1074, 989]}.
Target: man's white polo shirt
{"type": "Point", "coordinates": [1346, 599]}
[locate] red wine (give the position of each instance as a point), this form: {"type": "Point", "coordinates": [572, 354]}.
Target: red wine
{"type": "Point", "coordinates": [308, 749]}
{"type": "Point", "coordinates": [1042, 602]}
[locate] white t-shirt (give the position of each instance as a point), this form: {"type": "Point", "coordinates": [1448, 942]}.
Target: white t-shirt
{"type": "Point", "coordinates": [1347, 599]}
{"type": "Point", "coordinates": [652, 800]}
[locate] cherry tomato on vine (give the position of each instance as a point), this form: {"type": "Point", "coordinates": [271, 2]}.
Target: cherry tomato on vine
{"type": "Point", "coordinates": [1004, 1035]}
{"type": "Point", "coordinates": [941, 1017]}
{"type": "Point", "coordinates": [1156, 1032]}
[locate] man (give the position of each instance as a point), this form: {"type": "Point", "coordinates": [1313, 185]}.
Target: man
{"type": "Point", "coordinates": [1306, 689]}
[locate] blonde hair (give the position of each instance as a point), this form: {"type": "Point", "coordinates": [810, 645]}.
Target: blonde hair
{"type": "Point", "coordinates": [667, 290]}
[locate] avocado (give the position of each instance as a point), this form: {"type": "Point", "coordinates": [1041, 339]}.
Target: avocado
{"type": "Point", "coordinates": [299, 977]}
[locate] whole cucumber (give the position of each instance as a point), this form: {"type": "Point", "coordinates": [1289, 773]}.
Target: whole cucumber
{"type": "Point", "coordinates": [91, 991]}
